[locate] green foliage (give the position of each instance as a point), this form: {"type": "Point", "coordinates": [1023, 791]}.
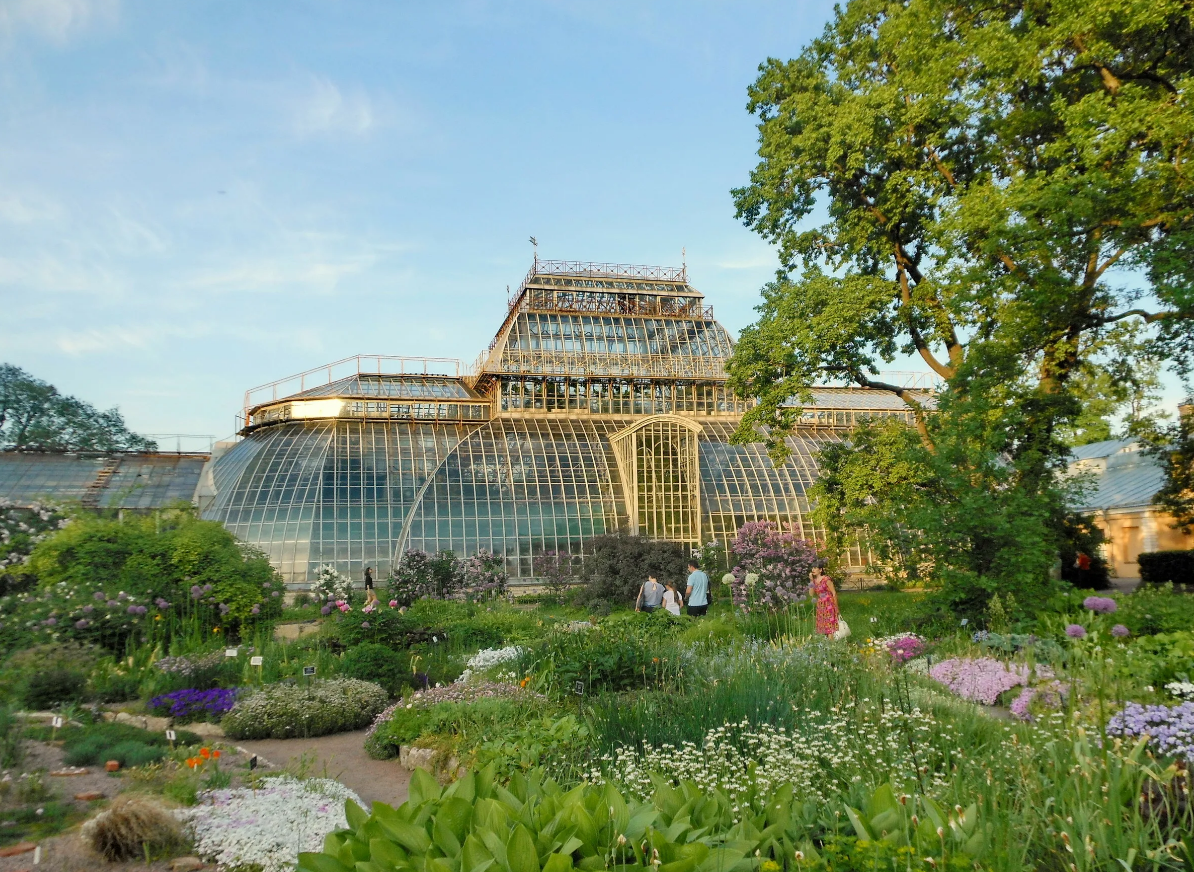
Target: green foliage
{"type": "Point", "coordinates": [619, 563]}
{"type": "Point", "coordinates": [35, 417]}
{"type": "Point", "coordinates": [105, 580]}
{"type": "Point", "coordinates": [1160, 659]}
{"type": "Point", "coordinates": [1080, 535]}
{"type": "Point", "coordinates": [1160, 567]}
{"type": "Point", "coordinates": [379, 664]}
{"type": "Point", "coordinates": [1173, 446]}
{"type": "Point", "coordinates": [1155, 609]}
{"type": "Point", "coordinates": [286, 711]}
{"type": "Point", "coordinates": [24, 666]}
{"type": "Point", "coordinates": [560, 744]}
{"type": "Point", "coordinates": [52, 688]}
{"type": "Point", "coordinates": [95, 744]}
{"type": "Point", "coordinates": [11, 730]}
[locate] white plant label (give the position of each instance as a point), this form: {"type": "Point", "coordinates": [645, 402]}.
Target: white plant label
{"type": "Point", "coordinates": [230, 652]}
{"type": "Point", "coordinates": [256, 661]}
{"type": "Point", "coordinates": [56, 722]}
{"type": "Point", "coordinates": [170, 734]}
{"type": "Point", "coordinates": [308, 670]}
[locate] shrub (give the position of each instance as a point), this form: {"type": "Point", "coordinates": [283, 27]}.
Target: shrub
{"type": "Point", "coordinates": [286, 711]}
{"type": "Point", "coordinates": [1156, 609]}
{"type": "Point", "coordinates": [95, 744]}
{"type": "Point", "coordinates": [45, 690]}
{"type": "Point", "coordinates": [133, 828]}
{"type": "Point", "coordinates": [134, 754]}
{"type": "Point", "coordinates": [1159, 567]}
{"type": "Point", "coordinates": [23, 665]}
{"type": "Point", "coordinates": [379, 664]}
{"type": "Point", "coordinates": [780, 562]}
{"type": "Point", "coordinates": [619, 563]}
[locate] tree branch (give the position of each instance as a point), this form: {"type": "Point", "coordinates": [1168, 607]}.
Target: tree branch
{"type": "Point", "coordinates": [1147, 317]}
{"type": "Point", "coordinates": [921, 346]}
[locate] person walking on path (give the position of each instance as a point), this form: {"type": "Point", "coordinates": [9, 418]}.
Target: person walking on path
{"type": "Point", "coordinates": [650, 595]}
{"type": "Point", "coordinates": [672, 599]}
{"type": "Point", "coordinates": [821, 587]}
{"type": "Point", "coordinates": [697, 594]}
{"type": "Point", "coordinates": [370, 593]}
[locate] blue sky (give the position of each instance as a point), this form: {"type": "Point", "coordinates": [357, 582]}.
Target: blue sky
{"type": "Point", "coordinates": [199, 197]}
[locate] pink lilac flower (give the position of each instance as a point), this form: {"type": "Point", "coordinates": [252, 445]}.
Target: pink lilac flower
{"type": "Point", "coordinates": [1076, 631]}
{"type": "Point", "coordinates": [1119, 631]}
{"type": "Point", "coordinates": [983, 679]}
{"type": "Point", "coordinates": [1103, 605]}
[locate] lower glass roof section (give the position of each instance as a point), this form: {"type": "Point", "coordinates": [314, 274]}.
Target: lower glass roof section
{"type": "Point", "coordinates": [111, 481]}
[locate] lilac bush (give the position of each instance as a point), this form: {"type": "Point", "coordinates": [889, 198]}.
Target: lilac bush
{"type": "Point", "coordinates": [778, 561]}
{"type": "Point", "coordinates": [483, 576]}
{"type": "Point", "coordinates": [1170, 728]}
{"type": "Point", "coordinates": [191, 704]}
{"type": "Point", "coordinates": [982, 680]}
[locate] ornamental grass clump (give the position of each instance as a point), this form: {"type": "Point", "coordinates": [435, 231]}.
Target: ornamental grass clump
{"type": "Point", "coordinates": [133, 828]}
{"type": "Point", "coordinates": [287, 711]}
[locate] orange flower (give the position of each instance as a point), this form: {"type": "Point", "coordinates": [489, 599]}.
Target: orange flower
{"type": "Point", "coordinates": [193, 762]}
{"type": "Point", "coordinates": [204, 753]}
{"type": "Point", "coordinates": [215, 755]}
{"type": "Point", "coordinates": [525, 681]}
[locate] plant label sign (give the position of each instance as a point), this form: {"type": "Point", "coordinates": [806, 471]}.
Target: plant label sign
{"type": "Point", "coordinates": [230, 652]}
{"type": "Point", "coordinates": [308, 670]}
{"type": "Point", "coordinates": [579, 688]}
{"type": "Point", "coordinates": [170, 734]}
{"type": "Point", "coordinates": [256, 660]}
{"type": "Point", "coordinates": [56, 722]}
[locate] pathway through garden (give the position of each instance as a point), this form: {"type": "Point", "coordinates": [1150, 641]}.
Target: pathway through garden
{"type": "Point", "coordinates": [341, 757]}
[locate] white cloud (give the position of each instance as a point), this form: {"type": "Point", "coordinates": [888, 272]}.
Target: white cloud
{"type": "Point", "coordinates": [58, 21]}
{"type": "Point", "coordinates": [326, 109]}
{"type": "Point", "coordinates": [28, 209]}
{"type": "Point", "coordinates": [96, 340]}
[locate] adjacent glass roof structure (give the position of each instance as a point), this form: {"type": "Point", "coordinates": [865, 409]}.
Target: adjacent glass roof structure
{"type": "Point", "coordinates": [110, 481]}
{"type": "Point", "coordinates": [600, 405]}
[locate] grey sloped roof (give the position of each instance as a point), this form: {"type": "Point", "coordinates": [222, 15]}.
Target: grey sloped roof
{"type": "Point", "coordinates": [860, 398]}
{"type": "Point", "coordinates": [1118, 473]}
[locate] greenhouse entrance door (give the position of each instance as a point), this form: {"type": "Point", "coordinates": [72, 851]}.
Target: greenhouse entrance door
{"type": "Point", "coordinates": [658, 461]}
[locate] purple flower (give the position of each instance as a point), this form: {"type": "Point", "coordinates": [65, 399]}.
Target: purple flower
{"type": "Point", "coordinates": [223, 609]}
{"type": "Point", "coordinates": [207, 588]}
{"type": "Point", "coordinates": [132, 610]}
{"type": "Point", "coordinates": [81, 624]}
{"type": "Point", "coordinates": [113, 603]}
{"type": "Point", "coordinates": [192, 703]}
{"type": "Point", "coordinates": [326, 610]}
{"type": "Point", "coordinates": [161, 603]}
{"type": "Point", "coordinates": [98, 596]}
{"type": "Point", "coordinates": [1170, 730]}
{"type": "Point", "coordinates": [364, 625]}
{"type": "Point", "coordinates": [88, 609]}
{"type": "Point", "coordinates": [256, 610]}
{"type": "Point", "coordinates": [1076, 631]}
{"type": "Point", "coordinates": [50, 622]}
{"type": "Point", "coordinates": [275, 593]}
{"type": "Point", "coordinates": [1119, 631]}
{"type": "Point", "coordinates": [982, 680]}
{"type": "Point", "coordinates": [1102, 605]}
{"type": "Point", "coordinates": [196, 594]}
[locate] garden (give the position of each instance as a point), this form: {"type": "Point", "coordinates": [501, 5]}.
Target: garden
{"type": "Point", "coordinates": [566, 730]}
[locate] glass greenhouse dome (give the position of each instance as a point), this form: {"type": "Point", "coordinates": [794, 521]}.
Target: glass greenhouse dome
{"type": "Point", "coordinates": [600, 405]}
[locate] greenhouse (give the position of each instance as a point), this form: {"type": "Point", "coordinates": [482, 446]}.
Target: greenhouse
{"type": "Point", "coordinates": [600, 405]}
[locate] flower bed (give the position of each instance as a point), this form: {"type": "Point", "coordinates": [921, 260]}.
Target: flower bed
{"type": "Point", "coordinates": [488, 659]}
{"type": "Point", "coordinates": [287, 711]}
{"type": "Point", "coordinates": [982, 680]}
{"type": "Point", "coordinates": [192, 705]}
{"type": "Point", "coordinates": [1170, 728]}
{"type": "Point", "coordinates": [270, 826]}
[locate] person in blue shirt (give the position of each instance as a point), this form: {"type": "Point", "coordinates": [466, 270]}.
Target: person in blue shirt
{"type": "Point", "coordinates": [697, 594]}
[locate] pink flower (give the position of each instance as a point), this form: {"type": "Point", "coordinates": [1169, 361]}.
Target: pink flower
{"type": "Point", "coordinates": [393, 604]}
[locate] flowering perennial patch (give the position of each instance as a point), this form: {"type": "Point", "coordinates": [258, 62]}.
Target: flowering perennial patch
{"type": "Point", "coordinates": [982, 680]}
{"type": "Point", "coordinates": [191, 704]}
{"type": "Point", "coordinates": [1170, 728]}
{"type": "Point", "coordinates": [1102, 605]}
{"type": "Point", "coordinates": [282, 711]}
{"type": "Point", "coordinates": [270, 826]}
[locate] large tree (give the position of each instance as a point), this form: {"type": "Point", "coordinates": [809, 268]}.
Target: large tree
{"type": "Point", "coordinates": [1002, 183]}
{"type": "Point", "coordinates": [997, 188]}
{"type": "Point", "coordinates": [34, 416]}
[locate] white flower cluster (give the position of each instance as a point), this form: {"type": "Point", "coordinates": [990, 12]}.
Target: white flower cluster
{"type": "Point", "coordinates": [488, 659]}
{"type": "Point", "coordinates": [827, 752]}
{"type": "Point", "coordinates": [1181, 689]}
{"type": "Point", "coordinates": [331, 585]}
{"type": "Point", "coordinates": [267, 827]}
{"type": "Point", "coordinates": [886, 641]}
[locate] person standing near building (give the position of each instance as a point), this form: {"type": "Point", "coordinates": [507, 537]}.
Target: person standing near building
{"type": "Point", "coordinates": [650, 595]}
{"type": "Point", "coordinates": [823, 590]}
{"type": "Point", "coordinates": [697, 594]}
{"type": "Point", "coordinates": [370, 594]}
{"type": "Point", "coordinates": [672, 599]}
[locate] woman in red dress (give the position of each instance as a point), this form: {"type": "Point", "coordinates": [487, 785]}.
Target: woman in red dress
{"type": "Point", "coordinates": [822, 588]}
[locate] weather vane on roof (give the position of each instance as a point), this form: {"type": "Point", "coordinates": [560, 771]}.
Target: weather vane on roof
{"type": "Point", "coordinates": [535, 242]}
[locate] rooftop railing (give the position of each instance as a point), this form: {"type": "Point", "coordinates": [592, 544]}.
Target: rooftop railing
{"type": "Point", "coordinates": [608, 270]}
{"type": "Point", "coordinates": [361, 364]}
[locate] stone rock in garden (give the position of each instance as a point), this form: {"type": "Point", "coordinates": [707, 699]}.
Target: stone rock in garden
{"type": "Point", "coordinates": [186, 864]}
{"type": "Point", "coordinates": [133, 720]}
{"type": "Point", "coordinates": [157, 725]}
{"type": "Point", "coordinates": [18, 848]}
{"type": "Point", "coordinates": [69, 771]}
{"type": "Point", "coordinates": [89, 796]}
{"type": "Point", "coordinates": [112, 766]}
{"type": "Point", "coordinates": [417, 758]}
{"type": "Point", "coordinates": [207, 731]}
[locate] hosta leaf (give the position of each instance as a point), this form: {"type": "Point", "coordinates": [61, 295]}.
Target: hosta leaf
{"type": "Point", "coordinates": [312, 862]}
{"type": "Point", "coordinates": [423, 787]}
{"type": "Point", "coordinates": [496, 846]}
{"type": "Point", "coordinates": [859, 827]}
{"type": "Point", "coordinates": [357, 816]}
{"type": "Point", "coordinates": [688, 864]}
{"type": "Point", "coordinates": [642, 818]}
{"type": "Point", "coordinates": [619, 812]}
{"type": "Point", "coordinates": [520, 851]}
{"type": "Point", "coordinates": [443, 836]}
{"type": "Point", "coordinates": [455, 814]}
{"type": "Point", "coordinates": [473, 853]}
{"type": "Point", "coordinates": [386, 853]}
{"type": "Point", "coordinates": [721, 860]}
{"type": "Point", "coordinates": [409, 836]}
{"type": "Point", "coordinates": [558, 863]}
{"type": "Point", "coordinates": [464, 787]}
{"type": "Point", "coordinates": [591, 864]}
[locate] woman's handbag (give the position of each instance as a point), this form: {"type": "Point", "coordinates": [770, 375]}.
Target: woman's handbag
{"type": "Point", "coordinates": [843, 629]}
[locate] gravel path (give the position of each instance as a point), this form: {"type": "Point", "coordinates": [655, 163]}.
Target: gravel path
{"type": "Point", "coordinates": [341, 757]}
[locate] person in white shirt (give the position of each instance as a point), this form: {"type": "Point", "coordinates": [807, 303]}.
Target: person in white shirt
{"type": "Point", "coordinates": [672, 599]}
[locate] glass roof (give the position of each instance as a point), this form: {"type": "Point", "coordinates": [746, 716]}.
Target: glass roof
{"type": "Point", "coordinates": [607, 334]}
{"type": "Point", "coordinates": [412, 386]}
